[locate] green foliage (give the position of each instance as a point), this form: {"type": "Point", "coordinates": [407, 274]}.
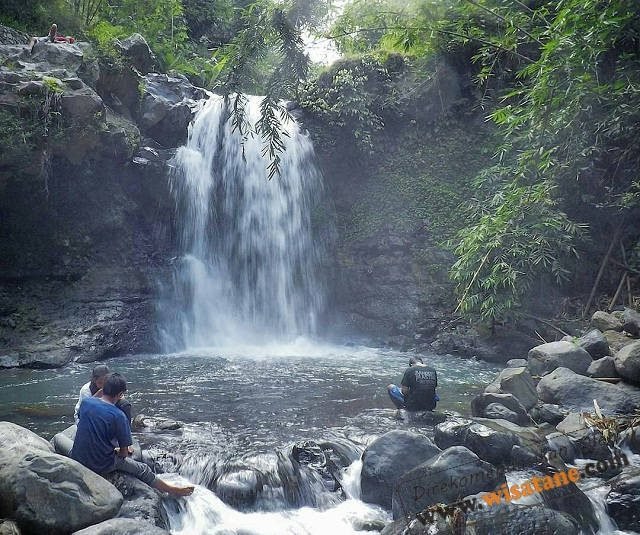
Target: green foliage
{"type": "Point", "coordinates": [18, 139]}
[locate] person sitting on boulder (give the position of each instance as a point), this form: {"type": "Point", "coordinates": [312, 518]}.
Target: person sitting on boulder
{"type": "Point", "coordinates": [52, 37]}
{"type": "Point", "coordinates": [418, 388]}
{"type": "Point", "coordinates": [94, 388]}
{"type": "Point", "coordinates": [101, 425]}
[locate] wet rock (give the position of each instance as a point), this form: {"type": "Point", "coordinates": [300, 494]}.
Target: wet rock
{"type": "Point", "coordinates": [155, 423]}
{"type": "Point", "coordinates": [480, 403]}
{"type": "Point", "coordinates": [497, 411]}
{"type": "Point", "coordinates": [630, 438]}
{"type": "Point", "coordinates": [238, 489]}
{"type": "Point", "coordinates": [489, 444]}
{"type": "Point", "coordinates": [617, 340]}
{"type": "Point", "coordinates": [623, 500]}
{"type": "Point", "coordinates": [48, 493]}
{"type": "Point", "coordinates": [594, 343]}
{"type": "Point", "coordinates": [523, 457]}
{"type": "Point", "coordinates": [548, 412]}
{"type": "Point", "coordinates": [523, 520]}
{"type": "Point", "coordinates": [518, 382]}
{"type": "Point", "coordinates": [37, 357]}
{"type": "Point", "coordinates": [137, 51]}
{"type": "Point", "coordinates": [545, 358]}
{"type": "Point", "coordinates": [387, 458]}
{"type": "Point", "coordinates": [631, 322]}
{"type": "Point", "coordinates": [122, 526]}
{"type": "Point", "coordinates": [588, 441]}
{"type": "Point", "coordinates": [141, 502]}
{"type": "Point", "coordinates": [9, 527]}
{"type": "Point", "coordinates": [15, 437]}
{"type": "Point", "coordinates": [452, 473]}
{"type": "Point", "coordinates": [577, 392]}
{"type": "Point", "coordinates": [627, 362]}
{"type": "Point", "coordinates": [562, 446]}
{"type": "Point", "coordinates": [516, 363]}
{"type": "Point", "coordinates": [452, 432]}
{"type": "Point", "coordinates": [368, 525]}
{"type": "Point", "coordinates": [605, 322]}
{"type": "Point", "coordinates": [603, 367]}
{"type": "Point", "coordinates": [81, 105]}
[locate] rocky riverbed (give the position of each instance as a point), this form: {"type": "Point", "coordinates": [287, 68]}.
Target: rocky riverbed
{"type": "Point", "coordinates": [536, 418]}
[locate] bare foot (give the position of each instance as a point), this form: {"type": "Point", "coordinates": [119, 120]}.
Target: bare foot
{"type": "Point", "coordinates": [175, 490]}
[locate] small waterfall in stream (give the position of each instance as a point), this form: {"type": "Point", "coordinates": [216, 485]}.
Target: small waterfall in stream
{"type": "Point", "coordinates": [248, 265]}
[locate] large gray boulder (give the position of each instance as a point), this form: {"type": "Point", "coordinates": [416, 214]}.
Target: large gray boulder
{"type": "Point", "coordinates": [14, 437]}
{"type": "Point", "coordinates": [617, 340]}
{"type": "Point", "coordinates": [577, 392]}
{"type": "Point", "coordinates": [623, 500]}
{"type": "Point", "coordinates": [9, 527]}
{"type": "Point", "coordinates": [548, 412]}
{"type": "Point", "coordinates": [594, 343]}
{"type": "Point", "coordinates": [48, 493]}
{"type": "Point", "coordinates": [604, 367]}
{"type": "Point", "coordinates": [481, 402]}
{"type": "Point", "coordinates": [500, 412]}
{"type": "Point", "coordinates": [451, 474]}
{"type": "Point", "coordinates": [167, 107]}
{"type": "Point", "coordinates": [631, 321]}
{"type": "Point", "coordinates": [387, 458]}
{"type": "Point", "coordinates": [122, 526]}
{"type": "Point", "coordinates": [452, 432]}
{"type": "Point", "coordinates": [137, 51]}
{"type": "Point", "coordinates": [587, 441]}
{"type": "Point", "coordinates": [605, 322]}
{"type": "Point", "coordinates": [515, 381]}
{"type": "Point", "coordinates": [545, 358]}
{"type": "Point", "coordinates": [37, 356]}
{"type": "Point", "coordinates": [141, 502]}
{"type": "Point", "coordinates": [627, 362]}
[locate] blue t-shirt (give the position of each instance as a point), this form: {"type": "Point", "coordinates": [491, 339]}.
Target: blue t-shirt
{"type": "Point", "coordinates": [101, 427]}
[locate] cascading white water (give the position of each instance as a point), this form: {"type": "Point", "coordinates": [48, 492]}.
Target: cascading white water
{"type": "Point", "coordinates": [248, 265]}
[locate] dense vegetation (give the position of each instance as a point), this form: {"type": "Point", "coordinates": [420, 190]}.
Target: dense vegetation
{"type": "Point", "coordinates": [559, 79]}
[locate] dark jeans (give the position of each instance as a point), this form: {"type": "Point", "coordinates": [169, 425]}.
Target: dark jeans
{"type": "Point", "coordinates": [135, 468]}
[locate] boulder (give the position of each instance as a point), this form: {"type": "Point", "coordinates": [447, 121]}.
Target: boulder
{"type": "Point", "coordinates": [604, 367]}
{"type": "Point", "coordinates": [587, 441]}
{"type": "Point", "coordinates": [155, 423]}
{"type": "Point", "coordinates": [516, 363]}
{"type": "Point", "coordinates": [577, 392]}
{"type": "Point", "coordinates": [548, 412]}
{"type": "Point", "coordinates": [9, 527]}
{"type": "Point", "coordinates": [631, 322]}
{"type": "Point", "coordinates": [497, 411]}
{"type": "Point", "coordinates": [617, 340]}
{"type": "Point", "coordinates": [48, 493]}
{"type": "Point", "coordinates": [523, 458]}
{"type": "Point", "coordinates": [561, 445]}
{"type": "Point", "coordinates": [523, 520]}
{"type": "Point", "coordinates": [137, 51]}
{"type": "Point", "coordinates": [141, 502]}
{"type": "Point", "coordinates": [387, 458]}
{"type": "Point", "coordinates": [490, 444]}
{"type": "Point", "coordinates": [37, 356]}
{"type": "Point", "coordinates": [630, 439]}
{"type": "Point", "coordinates": [605, 322]}
{"type": "Point", "coordinates": [594, 343]}
{"type": "Point", "coordinates": [239, 488]}
{"type": "Point", "coordinates": [82, 105]}
{"type": "Point", "coordinates": [627, 362]}
{"type": "Point", "coordinates": [623, 500]}
{"type": "Point", "coordinates": [452, 432]}
{"type": "Point", "coordinates": [545, 358]}
{"type": "Point", "coordinates": [14, 437]}
{"type": "Point", "coordinates": [515, 381]}
{"type": "Point", "coordinates": [480, 403]}
{"type": "Point", "coordinates": [167, 107]}
{"type": "Point", "coordinates": [122, 526]}
{"type": "Point", "coordinates": [451, 474]}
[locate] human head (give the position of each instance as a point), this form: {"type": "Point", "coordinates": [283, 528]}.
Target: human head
{"type": "Point", "coordinates": [415, 360]}
{"type": "Point", "coordinates": [99, 375]}
{"type": "Point", "coordinates": [114, 386]}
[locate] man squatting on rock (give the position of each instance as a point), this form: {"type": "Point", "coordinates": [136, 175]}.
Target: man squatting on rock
{"type": "Point", "coordinates": [417, 390]}
{"type": "Point", "coordinates": [101, 426]}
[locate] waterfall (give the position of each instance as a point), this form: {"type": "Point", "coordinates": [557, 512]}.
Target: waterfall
{"type": "Point", "coordinates": [248, 265]}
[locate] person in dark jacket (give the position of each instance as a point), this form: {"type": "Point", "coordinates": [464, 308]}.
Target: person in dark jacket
{"type": "Point", "coordinates": [417, 391]}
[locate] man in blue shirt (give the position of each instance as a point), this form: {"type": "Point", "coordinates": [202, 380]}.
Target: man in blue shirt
{"type": "Point", "coordinates": [104, 436]}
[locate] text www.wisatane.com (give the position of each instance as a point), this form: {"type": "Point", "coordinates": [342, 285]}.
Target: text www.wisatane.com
{"type": "Point", "coordinates": [530, 487]}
